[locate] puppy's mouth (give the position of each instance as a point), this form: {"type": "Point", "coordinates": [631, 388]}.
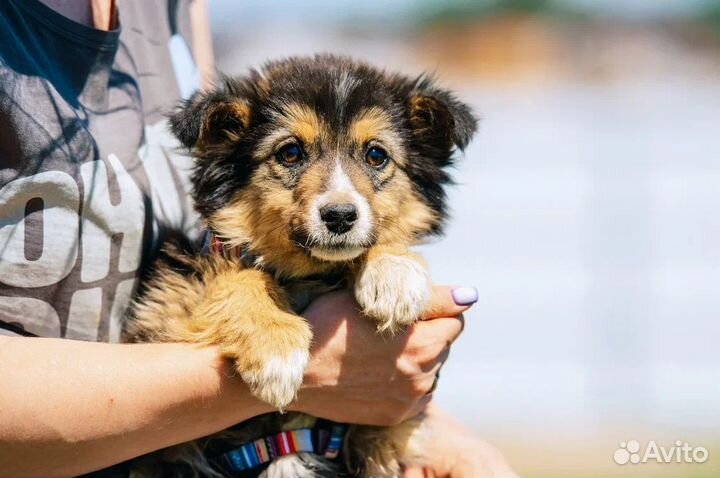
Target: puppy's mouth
{"type": "Point", "coordinates": [337, 253]}
{"type": "Point", "coordinates": [336, 248]}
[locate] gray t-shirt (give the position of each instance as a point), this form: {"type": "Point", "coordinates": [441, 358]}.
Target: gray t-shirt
{"type": "Point", "coordinates": [89, 175]}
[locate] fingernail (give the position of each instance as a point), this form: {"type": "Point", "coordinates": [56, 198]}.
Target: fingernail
{"type": "Point", "coordinates": [464, 295]}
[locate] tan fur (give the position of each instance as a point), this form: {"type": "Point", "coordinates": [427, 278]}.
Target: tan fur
{"type": "Point", "coordinates": [304, 123]}
{"type": "Point", "coordinates": [311, 184]}
{"type": "Point", "coordinates": [238, 110]}
{"type": "Point", "coordinates": [403, 216]}
{"type": "Point", "coordinates": [380, 451]}
{"type": "Point", "coordinates": [242, 310]}
{"type": "Point", "coordinates": [241, 111]}
{"type": "Point", "coordinates": [370, 124]}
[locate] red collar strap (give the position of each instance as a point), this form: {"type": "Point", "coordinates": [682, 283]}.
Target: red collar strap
{"type": "Point", "coordinates": [214, 245]}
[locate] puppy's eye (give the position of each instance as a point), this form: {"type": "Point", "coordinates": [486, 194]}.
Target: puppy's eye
{"type": "Point", "coordinates": [376, 157]}
{"type": "Point", "coordinates": [290, 153]}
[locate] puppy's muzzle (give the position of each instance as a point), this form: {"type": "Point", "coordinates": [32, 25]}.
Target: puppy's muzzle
{"type": "Point", "coordinates": [339, 218]}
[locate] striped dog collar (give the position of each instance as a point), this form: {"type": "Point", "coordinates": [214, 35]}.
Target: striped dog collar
{"type": "Point", "coordinates": [321, 440]}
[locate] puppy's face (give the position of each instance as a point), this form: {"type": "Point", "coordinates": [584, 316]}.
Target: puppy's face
{"type": "Point", "coordinates": [312, 161]}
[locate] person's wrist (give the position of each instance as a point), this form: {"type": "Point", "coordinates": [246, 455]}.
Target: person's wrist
{"type": "Point", "coordinates": [308, 397]}
{"type": "Point", "coordinates": [232, 387]}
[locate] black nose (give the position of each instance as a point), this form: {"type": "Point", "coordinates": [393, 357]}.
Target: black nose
{"type": "Point", "coordinates": [338, 218]}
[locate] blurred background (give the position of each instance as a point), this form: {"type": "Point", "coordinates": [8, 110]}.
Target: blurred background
{"type": "Point", "coordinates": [587, 210]}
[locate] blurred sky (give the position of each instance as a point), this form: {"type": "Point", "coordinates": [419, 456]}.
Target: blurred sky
{"type": "Point", "coordinates": [587, 212]}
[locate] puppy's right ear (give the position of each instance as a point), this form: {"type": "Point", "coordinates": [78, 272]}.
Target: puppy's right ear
{"type": "Point", "coordinates": [205, 121]}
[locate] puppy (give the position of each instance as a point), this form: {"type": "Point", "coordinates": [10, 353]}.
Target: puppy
{"type": "Point", "coordinates": [311, 174]}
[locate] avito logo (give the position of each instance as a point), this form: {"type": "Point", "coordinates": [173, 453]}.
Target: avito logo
{"type": "Point", "coordinates": [630, 452]}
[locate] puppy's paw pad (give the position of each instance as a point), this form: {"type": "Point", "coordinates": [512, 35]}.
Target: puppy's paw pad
{"type": "Point", "coordinates": [393, 290]}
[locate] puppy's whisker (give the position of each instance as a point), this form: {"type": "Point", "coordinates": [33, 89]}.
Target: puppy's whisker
{"type": "Point", "coordinates": [299, 244]}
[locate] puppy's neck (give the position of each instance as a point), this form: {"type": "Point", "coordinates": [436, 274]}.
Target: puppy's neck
{"type": "Point", "coordinates": [291, 263]}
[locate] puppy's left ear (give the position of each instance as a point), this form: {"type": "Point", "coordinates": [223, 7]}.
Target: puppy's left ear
{"type": "Point", "coordinates": [209, 120]}
{"type": "Point", "coordinates": [439, 120]}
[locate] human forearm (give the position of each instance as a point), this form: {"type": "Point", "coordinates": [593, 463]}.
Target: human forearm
{"type": "Point", "coordinates": [83, 406]}
{"type": "Point", "coordinates": [68, 407]}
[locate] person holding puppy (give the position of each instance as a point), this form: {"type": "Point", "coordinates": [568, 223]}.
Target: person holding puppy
{"type": "Point", "coordinates": [89, 182]}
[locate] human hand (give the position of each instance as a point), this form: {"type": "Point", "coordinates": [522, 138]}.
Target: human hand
{"type": "Point", "coordinates": [456, 452]}
{"type": "Point", "coordinates": [357, 376]}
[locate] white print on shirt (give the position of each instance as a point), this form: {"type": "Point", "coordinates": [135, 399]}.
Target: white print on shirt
{"type": "Point", "coordinates": [101, 220]}
{"type": "Point", "coordinates": [64, 236]}
{"type": "Point", "coordinates": [61, 199]}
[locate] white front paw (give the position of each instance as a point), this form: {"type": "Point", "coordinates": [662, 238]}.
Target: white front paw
{"type": "Point", "coordinates": [277, 380]}
{"type": "Point", "coordinates": [393, 290]}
